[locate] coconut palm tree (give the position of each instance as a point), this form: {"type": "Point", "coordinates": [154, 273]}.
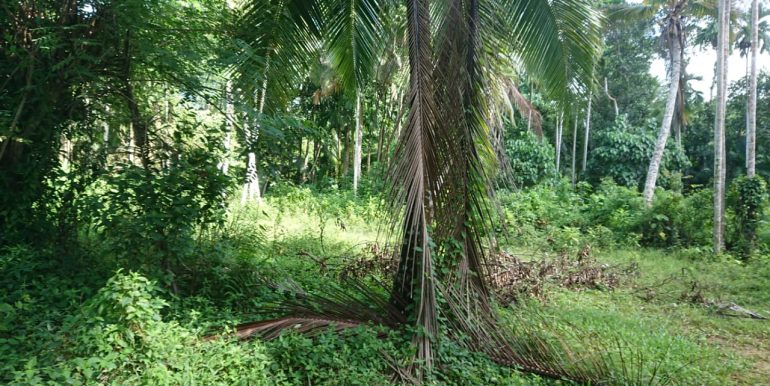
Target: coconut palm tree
{"type": "Point", "coordinates": [723, 46]}
{"type": "Point", "coordinates": [753, 38]}
{"type": "Point", "coordinates": [672, 16]}
{"type": "Point", "coordinates": [444, 160]}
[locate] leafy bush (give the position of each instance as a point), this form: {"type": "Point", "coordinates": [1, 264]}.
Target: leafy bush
{"type": "Point", "coordinates": [748, 197]}
{"type": "Point", "coordinates": [611, 215]}
{"type": "Point", "coordinates": [150, 219]}
{"type": "Point", "coordinates": [119, 337]}
{"type": "Point", "coordinates": [532, 159]}
{"type": "Point", "coordinates": [623, 154]}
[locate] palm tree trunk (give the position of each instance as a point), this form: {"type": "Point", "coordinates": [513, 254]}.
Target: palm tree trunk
{"type": "Point", "coordinates": [588, 132]}
{"type": "Point", "coordinates": [574, 150]}
{"type": "Point", "coordinates": [665, 128]}
{"type": "Point", "coordinates": [358, 140]}
{"type": "Point", "coordinates": [748, 91]}
{"type": "Point", "coordinates": [719, 127]}
{"type": "Point", "coordinates": [251, 187]}
{"type": "Point", "coordinates": [224, 165]}
{"type": "Point", "coordinates": [751, 144]}
{"type": "Point", "coordinates": [559, 132]}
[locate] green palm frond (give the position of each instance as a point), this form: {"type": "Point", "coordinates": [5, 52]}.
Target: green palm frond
{"type": "Point", "coordinates": [354, 37]}
{"type": "Point", "coordinates": [557, 42]}
{"type": "Point", "coordinates": [277, 39]}
{"type": "Point", "coordinates": [631, 13]}
{"type": "Point", "coordinates": [704, 8]}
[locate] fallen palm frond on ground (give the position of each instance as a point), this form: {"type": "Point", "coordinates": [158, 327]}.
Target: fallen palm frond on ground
{"type": "Point", "coordinates": [696, 293]}
{"type": "Point", "coordinates": [510, 277]}
{"type": "Point", "coordinates": [535, 345]}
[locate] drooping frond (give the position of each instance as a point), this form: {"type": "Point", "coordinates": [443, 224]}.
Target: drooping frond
{"type": "Point", "coordinates": [525, 107]}
{"type": "Point", "coordinates": [276, 39]}
{"type": "Point", "coordinates": [414, 180]}
{"type": "Point", "coordinates": [353, 32]}
{"type": "Point", "coordinates": [557, 42]}
{"type": "Point", "coordinates": [333, 307]}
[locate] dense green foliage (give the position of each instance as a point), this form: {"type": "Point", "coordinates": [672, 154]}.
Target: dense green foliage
{"type": "Point", "coordinates": [81, 322]}
{"type": "Point", "coordinates": [129, 252]}
{"type": "Point", "coordinates": [623, 153]}
{"type": "Point", "coordinates": [532, 160]}
{"type": "Point", "coordinates": [749, 196]}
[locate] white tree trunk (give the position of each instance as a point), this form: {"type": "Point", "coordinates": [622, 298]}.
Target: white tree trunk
{"type": "Point", "coordinates": [574, 150]}
{"type": "Point", "coordinates": [751, 132]}
{"type": "Point", "coordinates": [559, 133]}
{"type": "Point", "coordinates": [719, 126]}
{"type": "Point", "coordinates": [358, 140]}
{"type": "Point", "coordinates": [251, 186]}
{"type": "Point", "coordinates": [748, 91]}
{"type": "Point", "coordinates": [529, 120]}
{"type": "Point", "coordinates": [588, 131]}
{"type": "Point", "coordinates": [224, 165]}
{"type": "Point", "coordinates": [131, 142]}
{"type": "Point", "coordinates": [106, 127]}
{"type": "Point", "coordinates": [665, 127]}
{"type": "Point", "coordinates": [614, 101]}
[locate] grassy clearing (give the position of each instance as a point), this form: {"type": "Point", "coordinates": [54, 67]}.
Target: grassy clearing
{"type": "Point", "coordinates": [660, 311]}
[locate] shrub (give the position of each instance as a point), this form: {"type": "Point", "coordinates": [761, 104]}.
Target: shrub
{"type": "Point", "coordinates": [623, 154]}
{"type": "Point", "coordinates": [119, 337]}
{"type": "Point", "coordinates": [748, 197]}
{"type": "Point", "coordinates": [150, 220]}
{"type": "Point", "coordinates": [532, 160]}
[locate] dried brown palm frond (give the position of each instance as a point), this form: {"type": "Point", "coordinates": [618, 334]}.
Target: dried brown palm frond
{"type": "Point", "coordinates": [526, 108]}
{"type": "Point", "coordinates": [334, 307]}
{"type": "Point", "coordinates": [415, 173]}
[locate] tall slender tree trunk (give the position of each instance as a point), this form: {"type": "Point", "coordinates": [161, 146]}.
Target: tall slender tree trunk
{"type": "Point", "coordinates": [588, 131]}
{"type": "Point", "coordinates": [719, 126]}
{"type": "Point", "coordinates": [529, 121]}
{"type": "Point", "coordinates": [668, 115]}
{"type": "Point", "coordinates": [614, 101]}
{"type": "Point", "coordinates": [396, 132]}
{"type": "Point", "coordinates": [574, 151]}
{"type": "Point", "coordinates": [106, 127]}
{"type": "Point", "coordinates": [380, 120]}
{"type": "Point", "coordinates": [748, 91]}
{"type": "Point", "coordinates": [224, 165]}
{"type": "Point", "coordinates": [751, 131]}
{"type": "Point", "coordinates": [559, 133]}
{"type": "Point", "coordinates": [358, 140]}
{"type": "Point", "coordinates": [251, 186]}
{"type": "Point", "coordinates": [130, 143]}
{"type": "Point", "coordinates": [346, 147]}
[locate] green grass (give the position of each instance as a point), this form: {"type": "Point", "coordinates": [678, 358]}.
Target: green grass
{"type": "Point", "coordinates": [647, 313]}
